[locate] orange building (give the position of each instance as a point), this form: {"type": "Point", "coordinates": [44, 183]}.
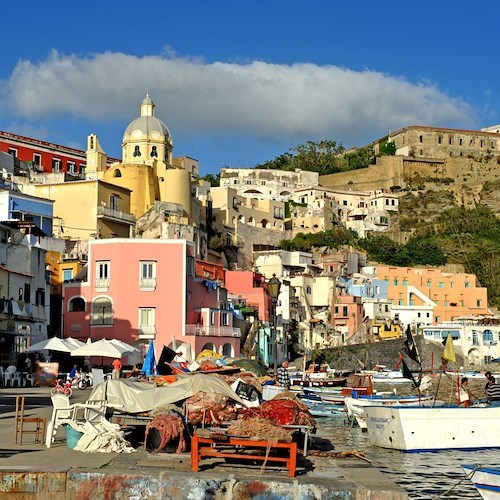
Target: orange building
{"type": "Point", "coordinates": [455, 295]}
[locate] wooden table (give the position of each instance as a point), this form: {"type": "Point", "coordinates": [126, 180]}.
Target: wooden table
{"type": "Point", "coordinates": [241, 448]}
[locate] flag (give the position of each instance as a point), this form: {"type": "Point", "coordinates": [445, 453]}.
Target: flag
{"type": "Point", "coordinates": [411, 347]}
{"type": "Point", "coordinates": [409, 375]}
{"type": "Point", "coordinates": [449, 351]}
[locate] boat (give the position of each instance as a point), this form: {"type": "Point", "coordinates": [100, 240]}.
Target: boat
{"type": "Point", "coordinates": [355, 406]}
{"type": "Point", "coordinates": [317, 376]}
{"type": "Point", "coordinates": [417, 429]}
{"type": "Point", "coordinates": [485, 479]}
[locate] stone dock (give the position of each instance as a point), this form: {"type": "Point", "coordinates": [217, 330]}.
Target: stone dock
{"type": "Point", "coordinates": [34, 471]}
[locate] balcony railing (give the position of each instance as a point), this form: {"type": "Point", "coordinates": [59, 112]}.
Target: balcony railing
{"type": "Point", "coordinates": [102, 282]}
{"type": "Point", "coordinates": [147, 332]}
{"type": "Point", "coordinates": [147, 283]}
{"type": "Point", "coordinates": [213, 331]}
{"type": "Point", "coordinates": [115, 214]}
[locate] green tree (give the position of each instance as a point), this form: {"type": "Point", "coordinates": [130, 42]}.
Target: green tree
{"type": "Point", "coordinates": [214, 180]}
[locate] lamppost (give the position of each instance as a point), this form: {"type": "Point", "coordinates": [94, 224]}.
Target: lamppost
{"type": "Point", "coordinates": [273, 286]}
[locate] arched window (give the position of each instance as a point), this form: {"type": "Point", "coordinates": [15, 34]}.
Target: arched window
{"type": "Point", "coordinates": [76, 304]}
{"type": "Point", "coordinates": [118, 173]}
{"type": "Point", "coordinates": [154, 152]}
{"type": "Point", "coordinates": [137, 151]}
{"type": "Point", "coordinates": [102, 311]}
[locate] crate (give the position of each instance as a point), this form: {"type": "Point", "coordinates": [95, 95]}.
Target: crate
{"type": "Point", "coordinates": [269, 391]}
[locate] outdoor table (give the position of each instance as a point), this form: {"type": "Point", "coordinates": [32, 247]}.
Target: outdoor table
{"type": "Point", "coordinates": [307, 430]}
{"type": "Point", "coordinates": [236, 447]}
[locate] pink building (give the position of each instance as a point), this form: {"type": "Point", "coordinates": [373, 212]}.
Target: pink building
{"type": "Point", "coordinates": [138, 290]}
{"type": "Point", "coordinates": [253, 287]}
{"type": "Point", "coordinates": [347, 316]}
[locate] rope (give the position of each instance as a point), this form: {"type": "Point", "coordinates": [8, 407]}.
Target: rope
{"type": "Point", "coordinates": [467, 477]}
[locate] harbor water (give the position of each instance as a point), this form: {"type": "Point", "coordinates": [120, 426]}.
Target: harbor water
{"type": "Point", "coordinates": [432, 475]}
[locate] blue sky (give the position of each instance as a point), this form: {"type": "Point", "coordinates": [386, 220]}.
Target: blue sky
{"type": "Point", "coordinates": [239, 83]}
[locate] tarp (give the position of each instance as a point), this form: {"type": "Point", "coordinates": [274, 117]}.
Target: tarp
{"type": "Point", "coordinates": [137, 397]}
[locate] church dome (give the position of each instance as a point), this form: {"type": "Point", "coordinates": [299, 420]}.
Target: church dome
{"type": "Point", "coordinates": [147, 126]}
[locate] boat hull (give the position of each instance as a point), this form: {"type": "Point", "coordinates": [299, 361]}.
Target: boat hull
{"type": "Point", "coordinates": [485, 479]}
{"type": "Point", "coordinates": [416, 429]}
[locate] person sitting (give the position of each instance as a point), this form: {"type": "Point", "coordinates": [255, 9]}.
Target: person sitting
{"type": "Point", "coordinates": [492, 390]}
{"type": "Point", "coordinates": [74, 374]}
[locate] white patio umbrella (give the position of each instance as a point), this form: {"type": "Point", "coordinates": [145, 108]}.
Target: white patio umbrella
{"type": "Point", "coordinates": [105, 349]}
{"type": "Point", "coordinates": [56, 344]}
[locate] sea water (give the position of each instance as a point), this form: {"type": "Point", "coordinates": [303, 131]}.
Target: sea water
{"type": "Point", "coordinates": [426, 476]}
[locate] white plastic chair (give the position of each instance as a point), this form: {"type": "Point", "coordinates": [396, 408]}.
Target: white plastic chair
{"type": "Point", "coordinates": [17, 379]}
{"type": "Point", "coordinates": [91, 412]}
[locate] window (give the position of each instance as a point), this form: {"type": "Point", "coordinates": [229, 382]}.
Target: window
{"type": "Point", "coordinates": [212, 318]}
{"type": "Point", "coordinates": [278, 212]}
{"type": "Point", "coordinates": [67, 274]}
{"type": "Point", "coordinates": [395, 282]}
{"type": "Point", "coordinates": [405, 282]}
{"type": "Point", "coordinates": [154, 152]}
{"type": "Point", "coordinates": [40, 297]}
{"type": "Point", "coordinates": [71, 167]}
{"type": "Point", "coordinates": [137, 152]}
{"type": "Point", "coordinates": [308, 290]}
{"type": "Point", "coordinates": [56, 164]}
{"type": "Point", "coordinates": [117, 173]}
{"type": "Point", "coordinates": [428, 284]}
{"type": "Point", "coordinates": [478, 303]}
{"type": "Point", "coordinates": [147, 276]}
{"type": "Point", "coordinates": [412, 303]}
{"type": "Point", "coordinates": [102, 274]}
{"type": "Point", "coordinates": [428, 315]}
{"type": "Point", "coordinates": [440, 139]}
{"type": "Point", "coordinates": [113, 202]}
{"type": "Point", "coordinates": [13, 152]}
{"type": "Point", "coordinates": [441, 284]}
{"type": "Point", "coordinates": [225, 319]}
{"type": "Point", "coordinates": [76, 304]}
{"type": "Point", "coordinates": [27, 293]}
{"type": "Point", "coordinates": [481, 144]}
{"type": "Point", "coordinates": [452, 284]}
{"type": "Point", "coordinates": [400, 302]}
{"type": "Point", "coordinates": [147, 327]}
{"type": "Point", "coordinates": [466, 284]}
{"type": "Point", "coordinates": [487, 337]}
{"type": "Point", "coordinates": [37, 159]}
{"type": "Point", "coordinates": [421, 138]}
{"type": "Point", "coordinates": [102, 312]}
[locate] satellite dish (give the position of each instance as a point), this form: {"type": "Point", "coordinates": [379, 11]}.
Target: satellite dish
{"type": "Point", "coordinates": [16, 236]}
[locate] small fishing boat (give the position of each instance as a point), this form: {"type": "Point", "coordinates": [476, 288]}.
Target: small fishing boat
{"type": "Point", "coordinates": [485, 479]}
{"type": "Point", "coordinates": [317, 376]}
{"type": "Point", "coordinates": [416, 429]}
{"type": "Point", "coordinates": [355, 406]}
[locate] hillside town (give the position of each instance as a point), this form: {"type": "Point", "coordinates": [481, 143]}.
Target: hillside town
{"type": "Point", "coordinates": [143, 249]}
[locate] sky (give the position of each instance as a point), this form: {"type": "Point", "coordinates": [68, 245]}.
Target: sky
{"type": "Point", "coordinates": [239, 83]}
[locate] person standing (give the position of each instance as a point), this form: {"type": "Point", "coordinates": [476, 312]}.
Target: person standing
{"type": "Point", "coordinates": [492, 390]}
{"type": "Point", "coordinates": [283, 376]}
{"type": "Point", "coordinates": [117, 368]}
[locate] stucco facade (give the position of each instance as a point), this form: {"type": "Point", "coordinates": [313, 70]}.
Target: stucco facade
{"type": "Point", "coordinates": [151, 294]}
{"type": "Point", "coordinates": [455, 295]}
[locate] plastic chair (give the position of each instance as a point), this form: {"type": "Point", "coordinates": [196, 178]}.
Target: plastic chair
{"type": "Point", "coordinates": [91, 412]}
{"type": "Point", "coordinates": [1, 376]}
{"type": "Point", "coordinates": [17, 379]}
{"type": "Point", "coordinates": [20, 420]}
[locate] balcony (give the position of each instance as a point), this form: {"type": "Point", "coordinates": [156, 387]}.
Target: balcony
{"type": "Point", "coordinates": [116, 215]}
{"type": "Point", "coordinates": [147, 283]}
{"type": "Point", "coordinates": [147, 332]}
{"type": "Point", "coordinates": [102, 283]}
{"type": "Point", "coordinates": [213, 331]}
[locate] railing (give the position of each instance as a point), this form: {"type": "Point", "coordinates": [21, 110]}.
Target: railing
{"type": "Point", "coordinates": [115, 214]}
{"type": "Point", "coordinates": [102, 282]}
{"type": "Point", "coordinates": [213, 331]}
{"type": "Point", "coordinates": [147, 283]}
{"type": "Point", "coordinates": [147, 332]}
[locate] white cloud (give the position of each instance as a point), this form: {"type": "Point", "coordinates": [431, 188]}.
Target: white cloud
{"type": "Point", "coordinates": [258, 99]}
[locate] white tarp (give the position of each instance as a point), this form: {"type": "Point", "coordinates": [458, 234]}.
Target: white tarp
{"type": "Point", "coordinates": [137, 397]}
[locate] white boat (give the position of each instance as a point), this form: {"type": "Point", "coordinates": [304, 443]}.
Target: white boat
{"type": "Point", "coordinates": [485, 479]}
{"type": "Point", "coordinates": [355, 406]}
{"type": "Point", "coordinates": [415, 429]}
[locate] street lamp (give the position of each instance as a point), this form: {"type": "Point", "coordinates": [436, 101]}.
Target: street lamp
{"type": "Point", "coordinates": [273, 286]}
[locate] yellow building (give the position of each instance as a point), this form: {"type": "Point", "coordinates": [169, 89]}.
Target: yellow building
{"type": "Point", "coordinates": [89, 209]}
{"type": "Point", "coordinates": [455, 295]}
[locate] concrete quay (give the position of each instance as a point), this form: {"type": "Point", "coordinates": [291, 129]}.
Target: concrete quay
{"type": "Point", "coordinates": [35, 471]}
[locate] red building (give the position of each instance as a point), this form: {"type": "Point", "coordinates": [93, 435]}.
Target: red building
{"type": "Point", "coordinates": [45, 156]}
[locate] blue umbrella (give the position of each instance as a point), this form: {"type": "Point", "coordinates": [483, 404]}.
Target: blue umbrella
{"type": "Point", "coordinates": [149, 367]}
